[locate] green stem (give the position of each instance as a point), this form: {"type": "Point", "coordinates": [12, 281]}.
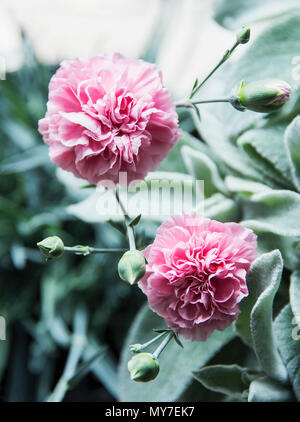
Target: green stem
{"type": "Point", "coordinates": [189, 104]}
{"type": "Point", "coordinates": [226, 56]}
{"type": "Point", "coordinates": [78, 343]}
{"type": "Point", "coordinates": [145, 345]}
{"type": "Point", "coordinates": [130, 232]}
{"type": "Point", "coordinates": [86, 250]}
{"type": "Point", "coordinates": [163, 344]}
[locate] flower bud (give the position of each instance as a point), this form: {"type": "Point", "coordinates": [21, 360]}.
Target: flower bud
{"type": "Point", "coordinates": [51, 247]}
{"type": "Point", "coordinates": [132, 266]}
{"type": "Point", "coordinates": [143, 367]}
{"type": "Point", "coordinates": [135, 348]}
{"type": "Point", "coordinates": [243, 35]}
{"type": "Point", "coordinates": [262, 96]}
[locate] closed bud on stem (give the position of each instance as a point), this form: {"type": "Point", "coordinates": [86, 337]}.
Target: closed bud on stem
{"type": "Point", "coordinates": [243, 35]}
{"type": "Point", "coordinates": [52, 247]}
{"type": "Point", "coordinates": [132, 266]}
{"type": "Point", "coordinates": [262, 96]}
{"type": "Point", "coordinates": [143, 367]}
{"type": "Point", "coordinates": [135, 348]}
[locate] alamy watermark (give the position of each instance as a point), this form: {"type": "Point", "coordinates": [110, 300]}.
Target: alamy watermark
{"type": "Point", "coordinates": [156, 197]}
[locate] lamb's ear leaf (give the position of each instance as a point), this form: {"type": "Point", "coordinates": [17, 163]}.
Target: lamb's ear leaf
{"type": "Point", "coordinates": [292, 144]}
{"type": "Point", "coordinates": [176, 364]}
{"type": "Point", "coordinates": [264, 272]}
{"type": "Point", "coordinates": [266, 389]}
{"type": "Point", "coordinates": [261, 324]}
{"type": "Point", "coordinates": [274, 211]}
{"type": "Point", "coordinates": [287, 332]}
{"type": "Point", "coordinates": [264, 146]}
{"type": "Point", "coordinates": [235, 13]}
{"type": "Point", "coordinates": [213, 131]}
{"type": "Point", "coordinates": [219, 207]}
{"type": "Point", "coordinates": [295, 293]}
{"type": "Point", "coordinates": [225, 379]}
{"type": "Point", "coordinates": [201, 167]}
{"type": "Point", "coordinates": [289, 247]}
{"type": "Point", "coordinates": [172, 163]}
{"type": "Point", "coordinates": [244, 187]}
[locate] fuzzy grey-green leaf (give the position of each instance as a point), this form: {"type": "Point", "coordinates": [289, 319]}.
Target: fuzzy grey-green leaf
{"type": "Point", "coordinates": [287, 331]}
{"type": "Point", "coordinates": [261, 324]}
{"type": "Point", "coordinates": [225, 379]}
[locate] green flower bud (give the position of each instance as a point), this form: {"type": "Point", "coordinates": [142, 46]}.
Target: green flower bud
{"type": "Point", "coordinates": [135, 348]}
{"type": "Point", "coordinates": [262, 96]}
{"type": "Point", "coordinates": [243, 35]}
{"type": "Point", "coordinates": [132, 266]}
{"type": "Point", "coordinates": [52, 247]}
{"type": "Point", "coordinates": [143, 367]}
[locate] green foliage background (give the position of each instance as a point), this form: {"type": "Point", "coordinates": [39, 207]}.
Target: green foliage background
{"type": "Point", "coordinates": [250, 164]}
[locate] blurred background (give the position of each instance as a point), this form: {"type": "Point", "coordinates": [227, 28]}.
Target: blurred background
{"type": "Point", "coordinates": [44, 302]}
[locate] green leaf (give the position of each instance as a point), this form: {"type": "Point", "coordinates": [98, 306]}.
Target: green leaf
{"type": "Point", "coordinates": [197, 111]}
{"type": "Point", "coordinates": [83, 369]}
{"type": "Point", "coordinates": [266, 389]}
{"type": "Point", "coordinates": [235, 13]}
{"type": "Point", "coordinates": [265, 271]}
{"type": "Point", "coordinates": [261, 321]}
{"type": "Point", "coordinates": [161, 330]}
{"type": "Point", "coordinates": [225, 379]}
{"type": "Point", "coordinates": [104, 369]}
{"type": "Point", "coordinates": [213, 131]}
{"type": "Point", "coordinates": [219, 207]}
{"type": "Point", "coordinates": [295, 293]}
{"type": "Point", "coordinates": [292, 143]}
{"type": "Point", "coordinates": [285, 329]}
{"type": "Point", "coordinates": [178, 341]}
{"type": "Point", "coordinates": [244, 187]}
{"type": "Point", "coordinates": [135, 221]}
{"type": "Point", "coordinates": [4, 355]}
{"type": "Point", "coordinates": [203, 168]}
{"type": "Point", "coordinates": [28, 160]}
{"type": "Point", "coordinates": [120, 226]}
{"type": "Point", "coordinates": [176, 364]}
{"type": "Point", "coordinates": [275, 211]}
{"type": "Point", "coordinates": [172, 163]}
{"type": "Point", "coordinates": [289, 247]}
{"type": "Point", "coordinates": [195, 85]}
{"type": "Point", "coordinates": [265, 148]}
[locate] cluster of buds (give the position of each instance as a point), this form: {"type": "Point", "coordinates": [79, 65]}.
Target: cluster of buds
{"type": "Point", "coordinates": [144, 367]}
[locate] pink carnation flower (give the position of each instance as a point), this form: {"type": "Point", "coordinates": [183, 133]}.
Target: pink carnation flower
{"type": "Point", "coordinates": [106, 115]}
{"type": "Point", "coordinates": [196, 273]}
